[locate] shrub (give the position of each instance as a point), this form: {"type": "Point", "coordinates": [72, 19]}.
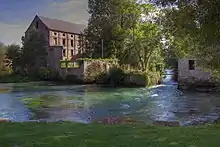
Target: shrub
{"type": "Point", "coordinates": [47, 74]}
{"type": "Point", "coordinates": [152, 78]}
{"type": "Point", "coordinates": [116, 75]}
{"type": "Point", "coordinates": [72, 79]}
{"type": "Point", "coordinates": [93, 71]}
{"type": "Point", "coordinates": [103, 78]}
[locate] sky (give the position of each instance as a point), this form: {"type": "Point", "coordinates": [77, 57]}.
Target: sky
{"type": "Point", "coordinates": [16, 15]}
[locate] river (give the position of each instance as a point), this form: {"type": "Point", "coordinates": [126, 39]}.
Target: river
{"type": "Point", "coordinates": [162, 102]}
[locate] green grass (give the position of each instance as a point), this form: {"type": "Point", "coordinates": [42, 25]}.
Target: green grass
{"type": "Point", "coordinates": [95, 135]}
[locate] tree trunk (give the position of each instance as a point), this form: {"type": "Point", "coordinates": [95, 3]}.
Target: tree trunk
{"type": "Point", "coordinates": [147, 63]}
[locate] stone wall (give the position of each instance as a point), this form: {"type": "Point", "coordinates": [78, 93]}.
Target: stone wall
{"type": "Point", "coordinates": [196, 79]}
{"type": "Point", "coordinates": [84, 70]}
{"type": "Point", "coordinates": [191, 75]}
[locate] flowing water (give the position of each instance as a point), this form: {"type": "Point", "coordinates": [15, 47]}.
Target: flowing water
{"type": "Point", "coordinates": [88, 103]}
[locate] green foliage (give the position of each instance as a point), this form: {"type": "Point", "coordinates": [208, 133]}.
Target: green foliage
{"type": "Point", "coordinates": [2, 57]}
{"type": "Point", "coordinates": [152, 78]}
{"type": "Point", "coordinates": [69, 64]}
{"type": "Point", "coordinates": [106, 18]}
{"type": "Point", "coordinates": [47, 74]}
{"type": "Point", "coordinates": [126, 36]}
{"type": "Point", "coordinates": [73, 79]}
{"type": "Point", "coordinates": [13, 53]}
{"type": "Point", "coordinates": [193, 27]}
{"type": "Point", "coordinates": [5, 77]}
{"type": "Point", "coordinates": [94, 70]}
{"type": "Point", "coordinates": [4, 63]}
{"type": "Point", "coordinates": [34, 52]}
{"type": "Point", "coordinates": [144, 44]}
{"type": "Point", "coordinates": [116, 75]}
{"type": "Point", "coordinates": [28, 60]}
{"type": "Point", "coordinates": [98, 59]}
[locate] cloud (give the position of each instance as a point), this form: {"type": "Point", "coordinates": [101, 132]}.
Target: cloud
{"type": "Point", "coordinates": [68, 10]}
{"type": "Point", "coordinates": [11, 33]}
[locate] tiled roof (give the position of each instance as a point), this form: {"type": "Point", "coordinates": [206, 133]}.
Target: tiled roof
{"type": "Point", "coordinates": [60, 25]}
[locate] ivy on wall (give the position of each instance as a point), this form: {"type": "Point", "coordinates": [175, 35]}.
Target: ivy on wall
{"type": "Point", "coordinates": [94, 70]}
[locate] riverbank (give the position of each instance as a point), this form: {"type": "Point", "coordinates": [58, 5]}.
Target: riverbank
{"type": "Point", "coordinates": [16, 79]}
{"type": "Point", "coordinates": [95, 135]}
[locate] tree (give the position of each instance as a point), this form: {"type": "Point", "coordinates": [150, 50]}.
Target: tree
{"type": "Point", "coordinates": [195, 27]}
{"type": "Point", "coordinates": [33, 52]}
{"type": "Point", "coordinates": [13, 53]}
{"type": "Point", "coordinates": [145, 46]}
{"type": "Point", "coordinates": [108, 22]}
{"type": "Point", "coordinates": [2, 55]}
{"type": "Point", "coordinates": [125, 34]}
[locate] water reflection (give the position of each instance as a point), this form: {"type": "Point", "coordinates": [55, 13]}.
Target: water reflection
{"type": "Point", "coordinates": [90, 103]}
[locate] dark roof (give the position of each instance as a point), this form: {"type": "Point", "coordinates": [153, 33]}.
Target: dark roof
{"type": "Point", "coordinates": [60, 25]}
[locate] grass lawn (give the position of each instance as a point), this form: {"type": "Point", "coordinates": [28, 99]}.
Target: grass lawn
{"type": "Point", "coordinates": [78, 135]}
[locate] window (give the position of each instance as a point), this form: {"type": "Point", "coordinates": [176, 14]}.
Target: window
{"type": "Point", "coordinates": [63, 34]}
{"type": "Point", "coordinates": [71, 35]}
{"type": "Point", "coordinates": [37, 25]}
{"type": "Point", "coordinates": [72, 53]}
{"type": "Point", "coordinates": [55, 33]}
{"type": "Point", "coordinates": [55, 41]}
{"type": "Point", "coordinates": [64, 52]}
{"type": "Point", "coordinates": [71, 43]}
{"type": "Point", "coordinates": [78, 42]}
{"type": "Point", "coordinates": [64, 42]}
{"type": "Point", "coordinates": [191, 64]}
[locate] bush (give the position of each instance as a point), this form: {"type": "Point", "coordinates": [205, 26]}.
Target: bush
{"type": "Point", "coordinates": [13, 78]}
{"type": "Point", "coordinates": [47, 74]}
{"type": "Point", "coordinates": [103, 78]}
{"type": "Point", "coordinates": [116, 75]}
{"type": "Point", "coordinates": [72, 79]}
{"type": "Point", "coordinates": [93, 71]}
{"type": "Point", "coordinates": [152, 78]}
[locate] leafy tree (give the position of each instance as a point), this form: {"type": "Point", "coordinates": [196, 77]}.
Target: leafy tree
{"type": "Point", "coordinates": [108, 22]}
{"type": "Point", "coordinates": [13, 53]}
{"type": "Point", "coordinates": [125, 34]}
{"type": "Point", "coordinates": [143, 44]}
{"type": "Point", "coordinates": [195, 27]}
{"type": "Point", "coordinates": [33, 52]}
{"type": "Point", "coordinates": [2, 55]}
